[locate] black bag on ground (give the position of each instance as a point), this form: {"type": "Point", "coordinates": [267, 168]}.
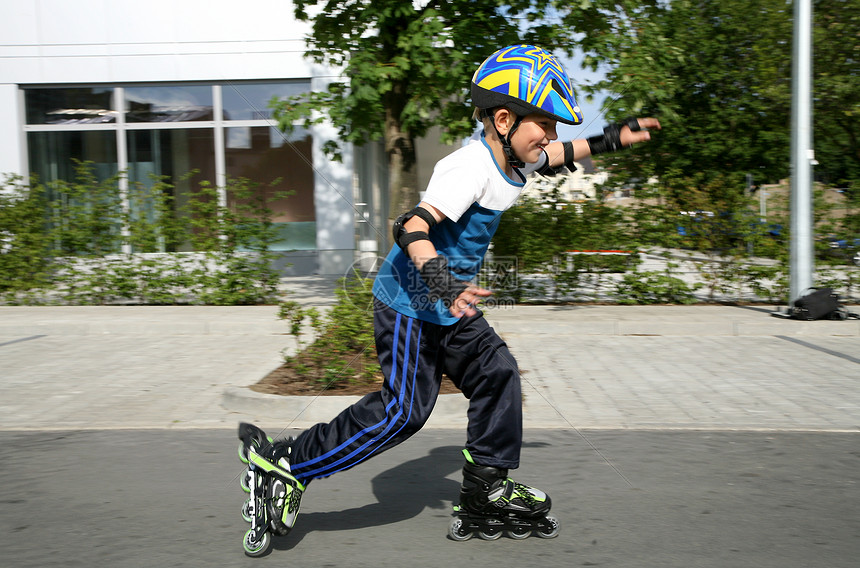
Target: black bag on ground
{"type": "Point", "coordinates": [819, 303]}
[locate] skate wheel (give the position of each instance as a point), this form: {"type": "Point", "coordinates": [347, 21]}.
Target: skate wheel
{"type": "Point", "coordinates": [490, 534]}
{"type": "Point", "coordinates": [259, 547]}
{"type": "Point", "coordinates": [456, 531]}
{"type": "Point", "coordinates": [552, 530]}
{"type": "Point", "coordinates": [246, 511]}
{"type": "Point", "coordinates": [243, 454]}
{"type": "Point", "coordinates": [518, 533]}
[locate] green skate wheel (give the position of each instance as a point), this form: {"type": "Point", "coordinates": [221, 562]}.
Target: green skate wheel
{"type": "Point", "coordinates": [456, 531]}
{"type": "Point", "coordinates": [552, 531]}
{"type": "Point", "coordinates": [256, 548]}
{"type": "Point", "coordinates": [246, 511]}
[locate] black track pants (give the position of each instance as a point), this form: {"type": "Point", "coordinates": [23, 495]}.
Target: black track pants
{"type": "Point", "coordinates": [413, 355]}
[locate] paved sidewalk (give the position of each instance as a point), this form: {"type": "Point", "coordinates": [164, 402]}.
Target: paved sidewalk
{"type": "Point", "coordinates": [600, 367]}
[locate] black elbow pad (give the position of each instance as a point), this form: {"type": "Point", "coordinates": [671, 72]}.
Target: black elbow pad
{"type": "Point", "coordinates": [402, 237]}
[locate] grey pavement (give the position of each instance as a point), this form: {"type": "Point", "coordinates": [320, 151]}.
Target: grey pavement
{"type": "Point", "coordinates": [678, 499]}
{"type": "Point", "coordinates": [584, 367]}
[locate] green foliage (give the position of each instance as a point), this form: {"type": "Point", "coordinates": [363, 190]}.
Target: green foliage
{"type": "Point", "coordinates": [541, 231]}
{"type": "Point", "coordinates": [718, 75]}
{"type": "Point", "coordinates": [720, 276]}
{"type": "Point", "coordinates": [84, 245]}
{"type": "Point", "coordinates": [86, 213]}
{"type": "Point", "coordinates": [343, 349]}
{"type": "Point", "coordinates": [526, 232]}
{"type": "Point", "coordinates": [768, 282]}
{"type": "Point", "coordinates": [406, 68]}
{"type": "Point", "coordinates": [837, 93]}
{"type": "Point", "coordinates": [24, 239]}
{"type": "Point", "coordinates": [406, 63]}
{"type": "Point", "coordinates": [650, 222]}
{"type": "Point", "coordinates": [654, 287]}
{"type": "Point", "coordinates": [730, 256]}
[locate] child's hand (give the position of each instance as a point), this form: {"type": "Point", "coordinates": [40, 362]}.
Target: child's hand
{"type": "Point", "coordinates": [628, 137]}
{"type": "Point", "coordinates": [465, 303]}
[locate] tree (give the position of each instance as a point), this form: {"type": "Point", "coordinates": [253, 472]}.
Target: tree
{"type": "Point", "coordinates": [405, 68]}
{"type": "Point", "coordinates": [837, 93]}
{"type": "Point", "coordinates": [718, 74]}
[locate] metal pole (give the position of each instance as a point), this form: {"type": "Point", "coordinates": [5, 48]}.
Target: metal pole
{"type": "Point", "coordinates": [802, 156]}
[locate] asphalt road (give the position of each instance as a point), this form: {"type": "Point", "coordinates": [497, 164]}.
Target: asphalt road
{"type": "Point", "coordinates": [691, 499]}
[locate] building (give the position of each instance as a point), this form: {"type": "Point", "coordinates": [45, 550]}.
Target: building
{"type": "Point", "coordinates": [164, 88]}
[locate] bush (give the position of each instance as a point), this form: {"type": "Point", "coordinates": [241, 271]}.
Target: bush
{"type": "Point", "coordinates": [25, 242]}
{"type": "Point", "coordinates": [652, 287]}
{"type": "Point", "coordinates": [726, 235]}
{"type": "Point", "coordinates": [539, 231]}
{"type": "Point", "coordinates": [343, 349]}
{"type": "Point", "coordinates": [90, 244]}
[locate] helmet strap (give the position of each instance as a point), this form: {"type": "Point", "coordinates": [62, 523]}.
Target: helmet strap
{"type": "Point", "coordinates": [512, 158]}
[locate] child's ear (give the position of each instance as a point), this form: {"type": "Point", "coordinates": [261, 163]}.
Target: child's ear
{"type": "Point", "coordinates": [504, 119]}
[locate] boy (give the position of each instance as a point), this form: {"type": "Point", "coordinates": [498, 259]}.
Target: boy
{"type": "Point", "coordinates": [425, 316]}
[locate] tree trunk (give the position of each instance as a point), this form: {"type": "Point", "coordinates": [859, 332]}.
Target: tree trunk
{"type": "Point", "coordinates": [402, 167]}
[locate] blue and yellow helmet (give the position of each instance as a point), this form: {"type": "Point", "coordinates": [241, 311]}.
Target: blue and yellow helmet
{"type": "Point", "coordinates": [526, 79]}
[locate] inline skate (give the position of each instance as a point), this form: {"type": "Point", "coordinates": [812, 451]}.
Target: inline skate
{"type": "Point", "coordinates": [275, 495]}
{"type": "Point", "coordinates": [492, 504]}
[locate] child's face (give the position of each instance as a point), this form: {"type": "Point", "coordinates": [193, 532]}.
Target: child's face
{"type": "Point", "coordinates": [535, 132]}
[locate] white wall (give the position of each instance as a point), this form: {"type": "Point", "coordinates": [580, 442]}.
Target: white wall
{"type": "Point", "coordinates": [86, 41]}
{"type": "Point", "coordinates": [334, 200]}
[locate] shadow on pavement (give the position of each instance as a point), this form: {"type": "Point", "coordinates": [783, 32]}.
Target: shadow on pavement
{"type": "Point", "coordinates": [402, 492]}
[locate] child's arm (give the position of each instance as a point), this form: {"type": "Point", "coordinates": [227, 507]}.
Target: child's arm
{"type": "Point", "coordinates": [423, 250]}
{"type": "Point", "coordinates": [435, 274]}
{"type": "Point", "coordinates": [584, 147]}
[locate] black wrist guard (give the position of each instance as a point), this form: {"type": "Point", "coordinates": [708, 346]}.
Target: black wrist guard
{"type": "Point", "coordinates": [442, 284]}
{"type": "Point", "coordinates": [568, 156]}
{"type": "Point", "coordinates": [610, 140]}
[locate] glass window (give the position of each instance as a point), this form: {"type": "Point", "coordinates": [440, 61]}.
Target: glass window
{"type": "Point", "coordinates": [65, 162]}
{"type": "Point", "coordinates": [174, 153]}
{"type": "Point", "coordinates": [279, 163]}
{"type": "Point", "coordinates": [183, 103]}
{"type": "Point", "coordinates": [172, 160]}
{"type": "Point", "coordinates": [86, 105]}
{"type": "Point", "coordinates": [53, 154]}
{"type": "Point", "coordinates": [251, 101]}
